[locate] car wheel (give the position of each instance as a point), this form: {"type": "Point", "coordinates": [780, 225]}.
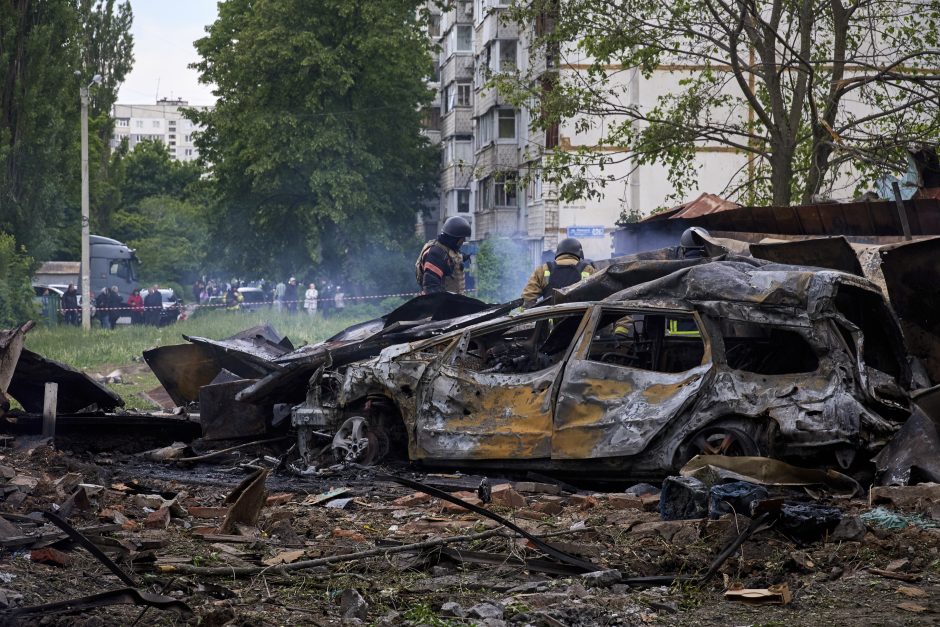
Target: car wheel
{"type": "Point", "coordinates": [356, 441]}
{"type": "Point", "coordinates": [723, 438]}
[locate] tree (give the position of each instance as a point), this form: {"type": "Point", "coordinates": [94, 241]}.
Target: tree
{"type": "Point", "coordinates": [38, 118]}
{"type": "Point", "coordinates": [315, 144]}
{"type": "Point", "coordinates": [16, 295]}
{"type": "Point", "coordinates": [805, 90]}
{"type": "Point", "coordinates": [502, 268]}
{"type": "Point", "coordinates": [158, 209]}
{"type": "Point", "coordinates": [42, 45]}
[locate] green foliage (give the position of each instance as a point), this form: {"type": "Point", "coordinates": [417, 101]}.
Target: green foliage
{"type": "Point", "coordinates": [169, 235]}
{"type": "Point", "coordinates": [42, 45]}
{"type": "Point", "coordinates": [150, 171]}
{"type": "Point", "coordinates": [502, 268]}
{"type": "Point", "coordinates": [315, 141]}
{"type": "Point", "coordinates": [807, 93]}
{"type": "Point", "coordinates": [16, 295]}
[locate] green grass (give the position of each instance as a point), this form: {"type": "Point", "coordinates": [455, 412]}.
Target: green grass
{"type": "Point", "coordinates": [100, 351]}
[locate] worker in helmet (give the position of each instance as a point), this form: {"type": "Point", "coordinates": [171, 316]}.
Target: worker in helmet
{"type": "Point", "coordinates": [692, 243]}
{"type": "Point", "coordinates": [569, 267]}
{"type": "Point", "coordinates": [439, 267]}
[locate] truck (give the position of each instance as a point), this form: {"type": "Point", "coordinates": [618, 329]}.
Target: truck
{"type": "Point", "coordinates": [112, 263]}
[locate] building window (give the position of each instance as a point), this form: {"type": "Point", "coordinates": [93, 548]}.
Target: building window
{"type": "Point", "coordinates": [504, 190]}
{"type": "Point", "coordinates": [507, 123]}
{"type": "Point", "coordinates": [464, 38]}
{"type": "Point", "coordinates": [507, 56]}
{"type": "Point", "coordinates": [432, 119]}
{"type": "Point", "coordinates": [464, 96]}
{"type": "Point", "coordinates": [447, 102]}
{"type": "Point", "coordinates": [458, 150]}
{"type": "Point", "coordinates": [156, 123]}
{"type": "Point", "coordinates": [189, 152]}
{"type": "Point", "coordinates": [463, 201]}
{"type": "Point", "coordinates": [138, 124]}
{"type": "Point", "coordinates": [123, 122]}
{"type": "Point", "coordinates": [434, 25]}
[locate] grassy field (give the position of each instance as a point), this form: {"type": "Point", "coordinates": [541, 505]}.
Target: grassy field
{"type": "Point", "coordinates": [101, 351]}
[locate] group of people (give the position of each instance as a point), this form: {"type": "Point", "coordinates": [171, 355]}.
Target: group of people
{"type": "Point", "coordinates": [288, 298]}
{"type": "Point", "coordinates": [439, 267]}
{"type": "Point", "coordinates": [110, 307]}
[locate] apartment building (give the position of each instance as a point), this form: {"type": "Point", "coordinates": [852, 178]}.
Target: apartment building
{"type": "Point", "coordinates": [488, 149]}
{"type": "Point", "coordinates": [162, 121]}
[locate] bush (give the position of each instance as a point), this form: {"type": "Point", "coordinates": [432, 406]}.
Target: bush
{"type": "Point", "coordinates": [502, 268]}
{"type": "Point", "coordinates": [16, 293]}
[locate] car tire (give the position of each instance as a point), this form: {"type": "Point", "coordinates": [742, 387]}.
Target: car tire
{"type": "Point", "coordinates": [358, 441]}
{"type": "Point", "coordinates": [732, 437]}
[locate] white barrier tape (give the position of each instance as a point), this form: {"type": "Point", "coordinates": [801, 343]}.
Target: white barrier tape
{"type": "Point", "coordinates": [127, 308]}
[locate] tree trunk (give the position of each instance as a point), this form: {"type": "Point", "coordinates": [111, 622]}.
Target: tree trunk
{"type": "Point", "coordinates": [781, 175]}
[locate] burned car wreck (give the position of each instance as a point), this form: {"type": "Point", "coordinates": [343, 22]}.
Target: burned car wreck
{"type": "Point", "coordinates": [730, 356]}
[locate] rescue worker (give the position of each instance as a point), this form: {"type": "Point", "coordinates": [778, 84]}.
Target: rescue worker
{"type": "Point", "coordinates": [569, 267]}
{"type": "Point", "coordinates": [439, 267]}
{"type": "Point", "coordinates": [692, 243]}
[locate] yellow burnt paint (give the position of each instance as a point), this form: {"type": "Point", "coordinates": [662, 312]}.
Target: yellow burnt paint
{"type": "Point", "coordinates": [574, 441]}
{"type": "Point", "coordinates": [659, 393]}
{"type": "Point", "coordinates": [512, 446]}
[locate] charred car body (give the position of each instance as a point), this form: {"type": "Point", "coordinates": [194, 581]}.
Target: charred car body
{"type": "Point", "coordinates": [737, 356]}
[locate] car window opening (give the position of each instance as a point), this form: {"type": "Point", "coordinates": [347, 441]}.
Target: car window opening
{"type": "Point", "coordinates": [867, 311]}
{"type": "Point", "coordinates": [527, 347]}
{"type": "Point", "coordinates": [767, 350]}
{"type": "Point", "coordinates": [659, 343]}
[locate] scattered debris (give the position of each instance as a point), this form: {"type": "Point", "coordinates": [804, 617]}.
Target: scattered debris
{"type": "Point", "coordinates": [774, 595]}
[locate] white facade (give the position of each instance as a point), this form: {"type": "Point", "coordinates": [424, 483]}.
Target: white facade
{"type": "Point", "coordinates": [487, 145]}
{"type": "Point", "coordinates": [162, 121]}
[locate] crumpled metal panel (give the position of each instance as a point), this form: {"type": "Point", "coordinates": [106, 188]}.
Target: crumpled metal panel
{"type": "Point", "coordinates": [610, 411]}
{"type": "Point", "coordinates": [472, 415]}
{"type": "Point", "coordinates": [77, 391]}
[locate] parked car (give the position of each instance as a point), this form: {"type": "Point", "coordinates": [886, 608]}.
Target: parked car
{"type": "Point", "coordinates": [172, 305]}
{"type": "Point", "coordinates": [717, 358]}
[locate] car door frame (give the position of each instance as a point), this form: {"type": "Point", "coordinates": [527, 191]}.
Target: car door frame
{"type": "Point", "coordinates": [590, 421]}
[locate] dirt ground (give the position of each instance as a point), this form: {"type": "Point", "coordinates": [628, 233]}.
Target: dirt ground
{"type": "Point", "coordinates": [829, 581]}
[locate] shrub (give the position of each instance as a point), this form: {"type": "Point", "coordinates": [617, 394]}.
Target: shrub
{"type": "Point", "coordinates": [502, 267]}
{"type": "Point", "coordinates": [16, 294]}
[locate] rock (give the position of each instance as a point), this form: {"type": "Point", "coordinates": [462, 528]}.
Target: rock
{"type": "Point", "coordinates": [850, 528]}
{"type": "Point", "coordinates": [602, 578]}
{"type": "Point", "coordinates": [25, 482]}
{"type": "Point", "coordinates": [352, 605]}
{"type": "Point", "coordinates": [152, 501]}
{"type": "Point", "coordinates": [50, 556]}
{"type": "Point", "coordinates": [642, 489]}
{"type": "Point", "coordinates": [504, 495]}
{"type": "Point", "coordinates": [285, 534]}
{"type": "Point", "coordinates": [390, 620]}
{"type": "Point", "coordinates": [808, 521]}
{"type": "Point", "coordinates": [897, 565]}
{"type": "Point", "coordinates": [174, 451]}
{"type": "Point", "coordinates": [683, 498]}
{"type": "Point", "coordinates": [537, 488]}
{"type": "Point", "coordinates": [208, 512]}
{"type": "Point", "coordinates": [582, 501]}
{"type": "Point", "coordinates": [412, 500]}
{"type": "Point", "coordinates": [624, 501]}
{"type": "Point", "coordinates": [450, 608]}
{"type": "Point", "coordinates": [923, 498]}
{"type": "Point", "coordinates": [552, 508]}
{"type": "Point", "coordinates": [453, 508]}
{"type": "Point", "coordinates": [278, 499]}
{"type": "Point", "coordinates": [6, 472]}
{"type": "Point", "coordinates": [486, 610]}
{"type": "Point", "coordinates": [159, 519]}
{"type": "Point", "coordinates": [738, 497]}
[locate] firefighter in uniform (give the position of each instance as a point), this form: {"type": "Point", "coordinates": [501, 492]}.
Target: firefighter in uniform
{"type": "Point", "coordinates": [569, 267]}
{"type": "Point", "coordinates": [440, 265]}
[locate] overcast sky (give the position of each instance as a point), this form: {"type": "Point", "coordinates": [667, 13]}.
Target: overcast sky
{"type": "Point", "coordinates": [164, 32]}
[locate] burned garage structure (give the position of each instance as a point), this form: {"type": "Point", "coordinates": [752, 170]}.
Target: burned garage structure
{"type": "Point", "coordinates": [734, 356]}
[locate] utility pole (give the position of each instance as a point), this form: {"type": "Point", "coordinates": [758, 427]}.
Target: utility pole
{"type": "Point", "coordinates": [86, 246]}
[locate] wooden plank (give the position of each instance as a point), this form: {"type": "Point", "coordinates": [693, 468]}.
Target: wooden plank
{"type": "Point", "coordinates": [50, 400]}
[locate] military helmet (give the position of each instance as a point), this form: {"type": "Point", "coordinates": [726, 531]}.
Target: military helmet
{"type": "Point", "coordinates": [693, 237]}
{"type": "Point", "coordinates": [570, 246]}
{"type": "Point", "coordinates": [456, 227]}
